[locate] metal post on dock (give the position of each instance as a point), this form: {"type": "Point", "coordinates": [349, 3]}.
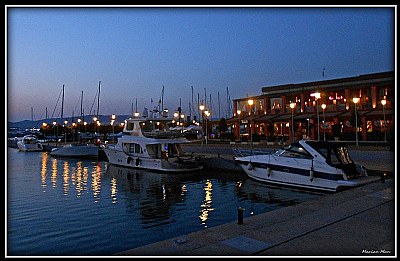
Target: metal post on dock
{"type": "Point", "coordinates": [240, 215]}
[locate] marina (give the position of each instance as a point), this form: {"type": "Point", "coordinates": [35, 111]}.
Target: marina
{"type": "Point", "coordinates": [218, 132]}
{"type": "Point", "coordinates": [81, 207]}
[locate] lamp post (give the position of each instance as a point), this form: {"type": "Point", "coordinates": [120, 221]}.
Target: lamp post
{"type": "Point", "coordinates": [202, 108]}
{"type": "Point", "coordinates": [292, 105]}
{"type": "Point", "coordinates": [323, 106]}
{"type": "Point", "coordinates": [84, 124]}
{"type": "Point", "coordinates": [112, 123]}
{"type": "Point", "coordinates": [182, 116]}
{"type": "Point", "coordinates": [384, 117]}
{"type": "Point", "coordinates": [317, 95]}
{"type": "Point", "coordinates": [73, 131]}
{"type": "Point", "coordinates": [251, 102]}
{"type": "Point", "coordinates": [206, 113]}
{"type": "Point", "coordinates": [65, 130]}
{"type": "Point", "coordinates": [54, 127]}
{"type": "Point", "coordinates": [356, 100]}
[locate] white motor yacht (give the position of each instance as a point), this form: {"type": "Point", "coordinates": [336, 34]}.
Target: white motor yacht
{"type": "Point", "coordinates": [29, 142]}
{"type": "Point", "coordinates": [148, 143]}
{"type": "Point", "coordinates": [325, 166]}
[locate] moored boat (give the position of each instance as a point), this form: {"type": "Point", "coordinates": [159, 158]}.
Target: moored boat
{"type": "Point", "coordinates": [325, 166]}
{"type": "Point", "coordinates": [28, 143]}
{"type": "Point", "coordinates": [149, 144]}
{"type": "Point", "coordinates": [76, 151]}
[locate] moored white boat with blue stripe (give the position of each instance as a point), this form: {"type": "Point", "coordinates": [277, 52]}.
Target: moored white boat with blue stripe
{"type": "Point", "coordinates": [325, 166]}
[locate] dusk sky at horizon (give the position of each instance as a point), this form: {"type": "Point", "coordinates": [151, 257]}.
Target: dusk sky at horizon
{"type": "Point", "coordinates": [134, 52]}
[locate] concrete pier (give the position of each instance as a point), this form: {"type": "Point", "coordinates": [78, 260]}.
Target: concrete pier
{"type": "Point", "coordinates": [359, 222]}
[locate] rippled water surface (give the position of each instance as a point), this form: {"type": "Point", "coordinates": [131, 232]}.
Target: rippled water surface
{"type": "Point", "coordinates": [72, 207]}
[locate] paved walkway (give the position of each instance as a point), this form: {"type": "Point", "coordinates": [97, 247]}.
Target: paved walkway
{"type": "Point", "coordinates": [358, 222]}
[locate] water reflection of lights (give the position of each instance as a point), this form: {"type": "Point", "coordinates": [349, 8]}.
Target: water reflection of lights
{"type": "Point", "coordinates": [54, 170]}
{"type": "Point", "coordinates": [183, 190]}
{"type": "Point", "coordinates": [164, 192]}
{"type": "Point", "coordinates": [66, 178]}
{"type": "Point", "coordinates": [73, 177]}
{"type": "Point", "coordinates": [114, 190]}
{"type": "Point", "coordinates": [43, 172]}
{"type": "Point", "coordinates": [77, 179]}
{"type": "Point", "coordinates": [206, 206]}
{"type": "Point", "coordinates": [96, 182]}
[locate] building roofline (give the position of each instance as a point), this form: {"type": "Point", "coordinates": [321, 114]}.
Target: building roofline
{"type": "Point", "coordinates": [373, 78]}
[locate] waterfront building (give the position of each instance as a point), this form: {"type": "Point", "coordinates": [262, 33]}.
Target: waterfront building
{"type": "Point", "coordinates": [321, 110]}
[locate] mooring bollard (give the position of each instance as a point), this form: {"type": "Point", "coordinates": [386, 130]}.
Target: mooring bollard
{"type": "Point", "coordinates": [383, 177]}
{"type": "Point", "coordinates": [240, 215]}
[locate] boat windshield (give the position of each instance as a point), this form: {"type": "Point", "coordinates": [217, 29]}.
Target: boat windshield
{"type": "Point", "coordinates": [296, 151]}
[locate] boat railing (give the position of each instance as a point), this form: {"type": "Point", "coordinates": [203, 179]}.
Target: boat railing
{"type": "Point", "coordinates": [241, 152]}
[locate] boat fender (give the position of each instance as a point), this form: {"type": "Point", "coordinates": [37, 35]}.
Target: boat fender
{"type": "Point", "coordinates": [137, 161]}
{"type": "Point", "coordinates": [250, 166]}
{"type": "Point", "coordinates": [129, 160]}
{"type": "Point", "coordinates": [269, 171]}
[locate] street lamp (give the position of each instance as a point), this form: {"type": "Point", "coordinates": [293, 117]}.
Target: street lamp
{"type": "Point", "coordinates": [73, 131]}
{"type": "Point", "coordinates": [356, 100]}
{"type": "Point", "coordinates": [55, 127]}
{"type": "Point", "coordinates": [323, 106]}
{"type": "Point", "coordinates": [317, 96]}
{"type": "Point", "coordinates": [292, 105]}
{"type": "Point", "coordinates": [384, 117]}
{"type": "Point", "coordinates": [202, 107]}
{"type": "Point", "coordinates": [251, 102]}
{"type": "Point", "coordinates": [112, 123]}
{"type": "Point", "coordinates": [65, 130]}
{"type": "Point", "coordinates": [183, 122]}
{"type": "Point", "coordinates": [206, 113]}
{"type": "Point", "coordinates": [85, 123]}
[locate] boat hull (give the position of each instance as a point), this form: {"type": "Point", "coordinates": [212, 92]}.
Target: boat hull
{"type": "Point", "coordinates": [298, 177]}
{"type": "Point", "coordinates": [29, 147]}
{"type": "Point", "coordinates": [120, 158]}
{"type": "Point", "coordinates": [84, 151]}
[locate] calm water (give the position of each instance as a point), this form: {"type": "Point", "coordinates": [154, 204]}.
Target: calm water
{"type": "Point", "coordinates": [69, 207]}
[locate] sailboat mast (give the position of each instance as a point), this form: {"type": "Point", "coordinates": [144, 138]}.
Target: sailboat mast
{"type": "Point", "coordinates": [219, 107]}
{"type": "Point", "coordinates": [190, 107]}
{"type": "Point", "coordinates": [62, 104]}
{"type": "Point", "coordinates": [162, 99]}
{"type": "Point", "coordinates": [98, 101]}
{"type": "Point", "coordinates": [81, 104]}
